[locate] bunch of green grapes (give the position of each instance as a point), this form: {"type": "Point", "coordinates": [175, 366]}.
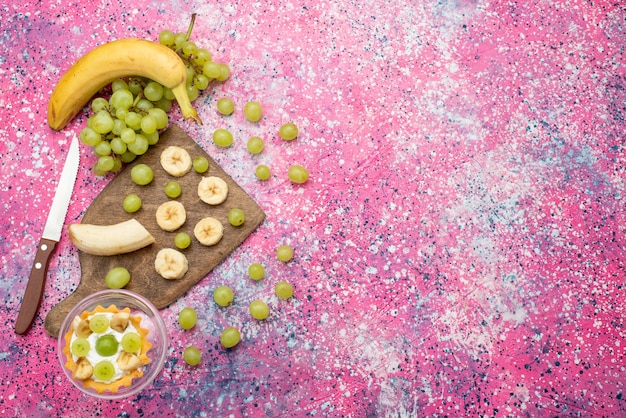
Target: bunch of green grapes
{"type": "Point", "coordinates": [124, 126]}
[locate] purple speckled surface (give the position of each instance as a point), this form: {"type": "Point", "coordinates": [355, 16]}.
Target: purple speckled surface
{"type": "Point", "coordinates": [459, 246]}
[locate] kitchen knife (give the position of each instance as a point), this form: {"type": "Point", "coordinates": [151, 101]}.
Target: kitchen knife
{"type": "Point", "coordinates": [49, 239]}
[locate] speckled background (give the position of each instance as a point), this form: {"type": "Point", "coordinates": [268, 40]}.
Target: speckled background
{"type": "Point", "coordinates": [459, 246]}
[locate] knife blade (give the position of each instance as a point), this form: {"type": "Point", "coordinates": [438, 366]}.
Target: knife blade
{"type": "Point", "coordinates": [49, 239]}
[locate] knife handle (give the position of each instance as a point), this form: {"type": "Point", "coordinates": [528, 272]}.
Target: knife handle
{"type": "Point", "coordinates": [35, 286]}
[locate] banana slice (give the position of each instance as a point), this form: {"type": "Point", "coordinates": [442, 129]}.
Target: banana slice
{"type": "Point", "coordinates": [81, 327]}
{"type": "Point", "coordinates": [128, 361]}
{"type": "Point", "coordinates": [119, 321]}
{"type": "Point", "coordinates": [84, 369]}
{"type": "Point", "coordinates": [175, 161]}
{"type": "Point", "coordinates": [171, 215]}
{"type": "Point", "coordinates": [171, 264]}
{"type": "Point", "coordinates": [212, 190]}
{"type": "Point", "coordinates": [208, 231]}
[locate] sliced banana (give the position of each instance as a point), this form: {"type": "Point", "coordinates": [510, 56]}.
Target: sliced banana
{"type": "Point", "coordinates": [171, 215]}
{"type": "Point", "coordinates": [81, 327]}
{"type": "Point", "coordinates": [212, 190]}
{"type": "Point", "coordinates": [128, 361]}
{"type": "Point", "coordinates": [208, 231]}
{"type": "Point", "coordinates": [119, 321]}
{"type": "Point", "coordinates": [171, 264]}
{"type": "Point", "coordinates": [84, 369]}
{"type": "Point", "coordinates": [176, 161]}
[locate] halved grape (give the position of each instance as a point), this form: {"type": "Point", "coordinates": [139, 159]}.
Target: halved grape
{"type": "Point", "coordinates": [230, 337]}
{"type": "Point", "coordinates": [104, 370]}
{"type": "Point", "coordinates": [106, 345]}
{"type": "Point", "coordinates": [99, 323]}
{"type": "Point", "coordinates": [223, 295]}
{"type": "Point", "coordinates": [80, 347]}
{"type": "Point", "coordinates": [259, 309]}
{"type": "Point", "coordinates": [187, 318]}
{"type": "Point", "coordinates": [192, 355]}
{"type": "Point", "coordinates": [131, 342]}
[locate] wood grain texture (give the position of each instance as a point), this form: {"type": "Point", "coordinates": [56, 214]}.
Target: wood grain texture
{"type": "Point", "coordinates": [107, 209]}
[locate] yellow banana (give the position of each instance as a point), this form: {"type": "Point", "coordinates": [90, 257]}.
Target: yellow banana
{"type": "Point", "coordinates": [113, 60]}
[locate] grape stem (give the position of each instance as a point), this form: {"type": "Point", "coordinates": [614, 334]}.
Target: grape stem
{"type": "Point", "coordinates": [190, 28]}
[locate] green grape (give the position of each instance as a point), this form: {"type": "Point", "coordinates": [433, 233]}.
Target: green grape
{"type": "Point", "coordinates": [90, 121]}
{"type": "Point", "coordinates": [168, 93]}
{"type": "Point", "coordinates": [152, 138]}
{"type": "Point", "coordinates": [192, 92]}
{"type": "Point", "coordinates": [128, 135]}
{"type": "Point", "coordinates": [102, 122]}
{"type": "Point", "coordinates": [259, 309]}
{"type": "Point", "coordinates": [236, 217]}
{"type": "Point", "coordinates": [230, 337]}
{"type": "Point", "coordinates": [104, 370]}
{"type": "Point", "coordinates": [172, 189]}
{"type": "Point", "coordinates": [283, 290]}
{"type": "Point", "coordinates": [253, 111]}
{"type": "Point", "coordinates": [122, 99]}
{"type": "Point", "coordinates": [90, 137]}
{"type": "Point", "coordinates": [141, 174]}
{"type": "Point", "coordinates": [99, 323]}
{"type": "Point", "coordinates": [135, 87]}
{"type": "Point", "coordinates": [132, 203]}
{"type": "Point", "coordinates": [225, 106]}
{"type": "Point", "coordinates": [211, 69]}
{"type": "Point", "coordinates": [192, 356]}
{"type": "Point", "coordinates": [121, 114]}
{"type": "Point", "coordinates": [131, 342]}
{"type": "Point", "coordinates": [224, 72]}
{"type": "Point", "coordinates": [200, 164]}
{"type": "Point", "coordinates": [164, 103]}
{"type": "Point", "coordinates": [106, 345]}
{"type": "Point", "coordinates": [80, 347]}
{"type": "Point", "coordinates": [140, 145]}
{"type": "Point", "coordinates": [102, 148]}
{"type": "Point", "coordinates": [160, 116]}
{"type": "Point", "coordinates": [118, 146]}
{"type": "Point", "coordinates": [179, 39]}
{"type": "Point", "coordinates": [187, 318]}
{"type": "Point", "coordinates": [133, 120]}
{"type": "Point", "coordinates": [222, 138]}
{"type": "Point", "coordinates": [288, 131]}
{"type": "Point", "coordinates": [223, 295]}
{"type": "Point", "coordinates": [97, 170]}
{"type": "Point", "coordinates": [202, 57]}
{"type": "Point", "coordinates": [119, 84]}
{"type": "Point", "coordinates": [182, 240]}
{"type": "Point", "coordinates": [118, 126]}
{"type": "Point", "coordinates": [284, 253]}
{"type": "Point", "coordinates": [127, 157]}
{"type": "Point", "coordinates": [153, 91]}
{"type": "Point", "coordinates": [106, 163]}
{"type": "Point", "coordinates": [144, 104]}
{"type": "Point", "coordinates": [298, 174]}
{"type": "Point", "coordinates": [117, 278]}
{"type": "Point", "coordinates": [99, 103]}
{"type": "Point", "coordinates": [117, 164]}
{"type": "Point", "coordinates": [255, 145]}
{"type": "Point", "coordinates": [201, 81]}
{"type": "Point", "coordinates": [166, 37]}
{"type": "Point", "coordinates": [189, 48]}
{"type": "Point", "coordinates": [191, 72]}
{"type": "Point", "coordinates": [263, 172]}
{"type": "Point", "coordinates": [148, 124]}
{"type": "Point", "coordinates": [256, 271]}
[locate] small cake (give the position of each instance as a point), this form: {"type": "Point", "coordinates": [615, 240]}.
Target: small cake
{"type": "Point", "coordinates": [106, 348]}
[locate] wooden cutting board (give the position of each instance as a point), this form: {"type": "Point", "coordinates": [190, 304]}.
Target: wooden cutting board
{"type": "Point", "coordinates": [107, 209]}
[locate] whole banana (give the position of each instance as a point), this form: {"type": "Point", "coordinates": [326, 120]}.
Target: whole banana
{"type": "Point", "coordinates": [113, 60]}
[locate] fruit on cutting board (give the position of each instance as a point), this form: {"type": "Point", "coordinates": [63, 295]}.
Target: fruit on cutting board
{"type": "Point", "coordinates": [111, 61]}
{"type": "Point", "coordinates": [171, 215]}
{"type": "Point", "coordinates": [212, 190]}
{"type": "Point", "coordinates": [171, 264]}
{"type": "Point", "coordinates": [120, 238]}
{"type": "Point", "coordinates": [176, 161]}
{"type": "Point", "coordinates": [208, 231]}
